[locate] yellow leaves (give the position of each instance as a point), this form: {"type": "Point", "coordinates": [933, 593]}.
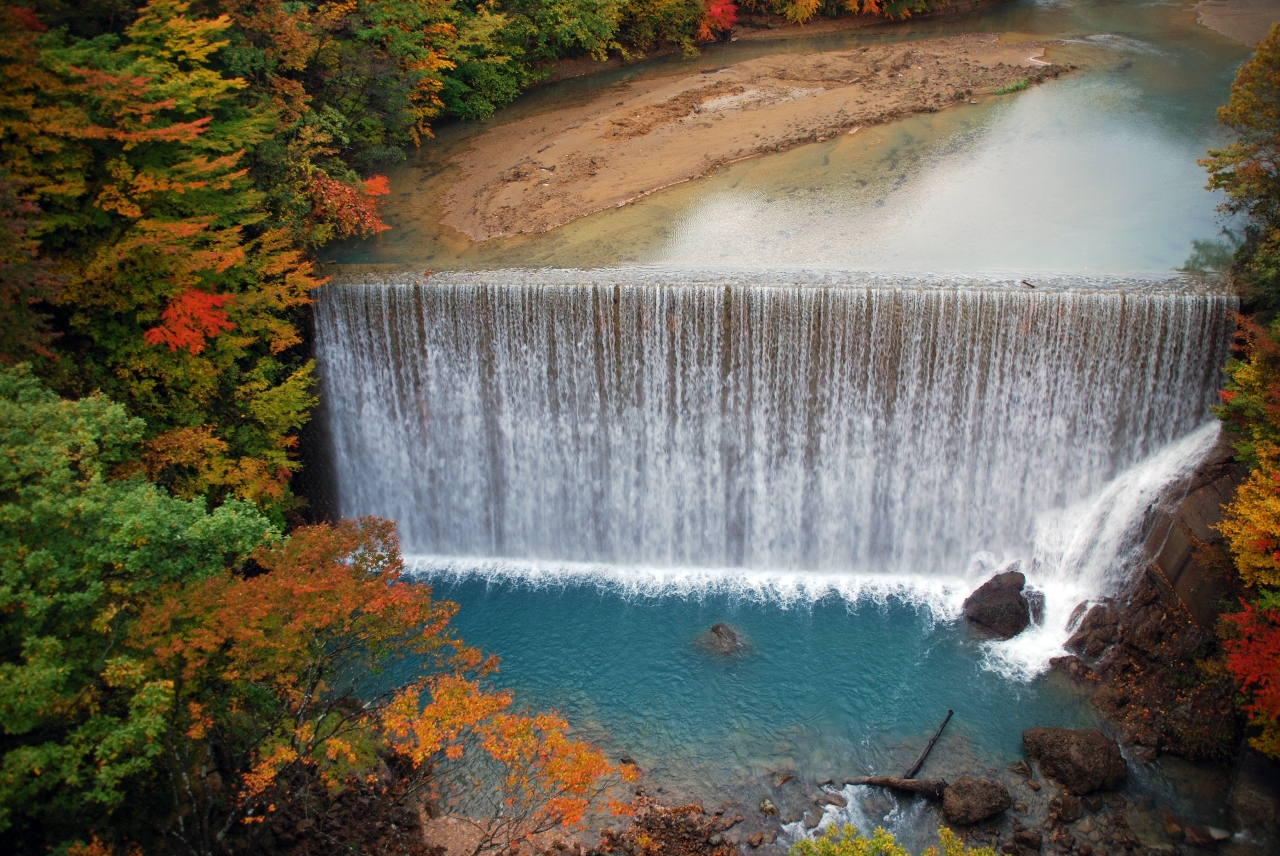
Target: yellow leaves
{"type": "Point", "coordinates": [102, 623]}
{"type": "Point", "coordinates": [1251, 521]}
{"type": "Point", "coordinates": [846, 841]}
{"type": "Point", "coordinates": [800, 11]}
{"type": "Point", "coordinates": [124, 673]}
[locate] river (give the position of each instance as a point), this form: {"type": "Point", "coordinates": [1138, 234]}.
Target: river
{"type": "Point", "coordinates": [820, 395]}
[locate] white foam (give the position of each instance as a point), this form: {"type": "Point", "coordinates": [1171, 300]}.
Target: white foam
{"type": "Point", "coordinates": [940, 596]}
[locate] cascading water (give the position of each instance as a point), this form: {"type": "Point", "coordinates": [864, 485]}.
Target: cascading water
{"type": "Point", "coordinates": [758, 423]}
{"type": "Point", "coordinates": [669, 449]}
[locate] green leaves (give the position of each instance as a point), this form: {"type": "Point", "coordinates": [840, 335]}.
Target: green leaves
{"type": "Point", "coordinates": [1248, 170]}
{"type": "Point", "coordinates": [84, 542]}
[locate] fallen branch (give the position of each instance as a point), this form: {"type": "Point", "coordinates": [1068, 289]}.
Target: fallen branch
{"type": "Point", "coordinates": [928, 788]}
{"type": "Point", "coordinates": [915, 768]}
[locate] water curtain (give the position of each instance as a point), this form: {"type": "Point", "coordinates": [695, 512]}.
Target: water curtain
{"type": "Point", "coordinates": [834, 424]}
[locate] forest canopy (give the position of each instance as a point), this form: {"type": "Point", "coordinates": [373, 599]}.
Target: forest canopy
{"type": "Point", "coordinates": [1248, 172]}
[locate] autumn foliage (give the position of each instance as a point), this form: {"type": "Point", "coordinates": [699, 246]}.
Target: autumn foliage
{"type": "Point", "coordinates": [1252, 655]}
{"type": "Point", "coordinates": [718, 17]}
{"type": "Point", "coordinates": [177, 679]}
{"type": "Point", "coordinates": [1247, 172]}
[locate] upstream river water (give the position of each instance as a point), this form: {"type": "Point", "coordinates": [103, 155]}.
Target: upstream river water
{"type": "Point", "coordinates": [716, 419]}
{"type": "Point", "coordinates": [1095, 172]}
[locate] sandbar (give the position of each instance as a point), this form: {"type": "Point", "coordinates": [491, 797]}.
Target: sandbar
{"type": "Point", "coordinates": [1246, 21]}
{"type": "Point", "coordinates": [540, 172]}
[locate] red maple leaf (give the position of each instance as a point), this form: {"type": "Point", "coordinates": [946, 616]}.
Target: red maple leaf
{"type": "Point", "coordinates": [189, 319]}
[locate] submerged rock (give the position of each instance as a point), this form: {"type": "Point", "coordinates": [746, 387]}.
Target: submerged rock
{"type": "Point", "coordinates": [1081, 760]}
{"type": "Point", "coordinates": [972, 800]}
{"type": "Point", "coordinates": [998, 606]}
{"type": "Point", "coordinates": [1020, 768]}
{"type": "Point", "coordinates": [723, 639]}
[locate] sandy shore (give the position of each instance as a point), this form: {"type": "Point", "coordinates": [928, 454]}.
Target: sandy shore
{"type": "Point", "coordinates": [538, 173]}
{"type": "Point", "coordinates": [1246, 21]}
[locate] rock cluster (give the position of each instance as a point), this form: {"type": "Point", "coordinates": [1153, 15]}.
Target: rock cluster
{"type": "Point", "coordinates": [1145, 659]}
{"type": "Point", "coordinates": [685, 830]}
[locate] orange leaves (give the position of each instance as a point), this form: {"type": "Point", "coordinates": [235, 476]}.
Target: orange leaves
{"type": "Point", "coordinates": [866, 7]}
{"type": "Point", "coordinates": [377, 186]}
{"type": "Point", "coordinates": [263, 773]}
{"type": "Point", "coordinates": [351, 211]}
{"type": "Point", "coordinates": [546, 776]}
{"type": "Point", "coordinates": [189, 319]}
{"type": "Point", "coordinates": [276, 655]}
{"type": "Point", "coordinates": [457, 705]}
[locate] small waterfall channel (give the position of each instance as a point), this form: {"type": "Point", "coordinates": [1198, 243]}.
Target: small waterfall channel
{"type": "Point", "coordinates": [670, 425]}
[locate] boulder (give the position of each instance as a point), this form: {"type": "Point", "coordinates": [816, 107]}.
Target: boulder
{"type": "Point", "coordinates": [998, 606]}
{"type": "Point", "coordinates": [1081, 760]}
{"type": "Point", "coordinates": [971, 800]}
{"type": "Point", "coordinates": [1073, 667]}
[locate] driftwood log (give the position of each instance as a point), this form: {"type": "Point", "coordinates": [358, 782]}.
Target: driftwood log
{"type": "Point", "coordinates": [915, 768]}
{"type": "Point", "coordinates": [927, 788]}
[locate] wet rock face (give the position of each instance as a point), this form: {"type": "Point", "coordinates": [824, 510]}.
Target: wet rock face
{"type": "Point", "coordinates": [1081, 760]}
{"type": "Point", "coordinates": [972, 800]}
{"type": "Point", "coordinates": [998, 606]}
{"type": "Point", "coordinates": [1097, 630]}
{"type": "Point", "coordinates": [1151, 686]}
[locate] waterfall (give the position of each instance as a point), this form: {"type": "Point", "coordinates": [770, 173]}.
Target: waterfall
{"type": "Point", "coordinates": [770, 423]}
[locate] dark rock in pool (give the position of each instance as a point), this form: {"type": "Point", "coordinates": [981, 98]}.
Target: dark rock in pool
{"type": "Point", "coordinates": [723, 639]}
{"type": "Point", "coordinates": [1029, 839]}
{"type": "Point", "coordinates": [1081, 760]}
{"type": "Point", "coordinates": [998, 606]}
{"type": "Point", "coordinates": [971, 800]}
